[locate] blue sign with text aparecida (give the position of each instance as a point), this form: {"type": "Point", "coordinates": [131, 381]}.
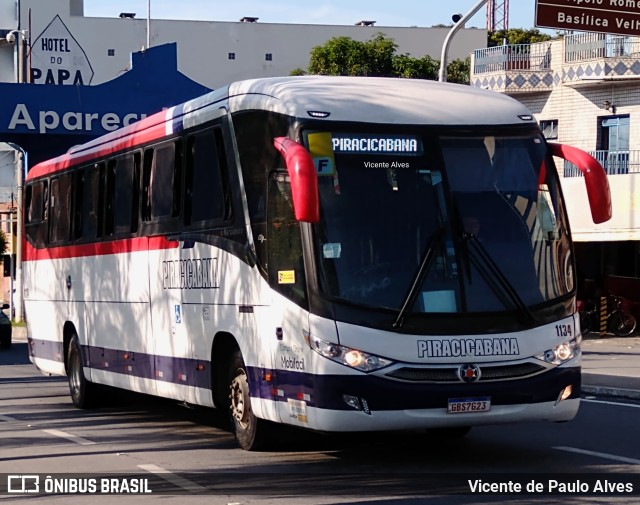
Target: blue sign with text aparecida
{"type": "Point", "coordinates": [47, 119]}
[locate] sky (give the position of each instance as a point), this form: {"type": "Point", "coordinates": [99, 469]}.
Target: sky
{"type": "Point", "coordinates": [341, 12]}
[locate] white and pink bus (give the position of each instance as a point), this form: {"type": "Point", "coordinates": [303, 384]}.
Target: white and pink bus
{"type": "Point", "coordinates": [334, 253]}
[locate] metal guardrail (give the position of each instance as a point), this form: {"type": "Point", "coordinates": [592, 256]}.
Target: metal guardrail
{"type": "Point", "coordinates": [537, 56]}
{"type": "Point", "coordinates": [613, 162]}
{"type": "Point", "coordinates": [512, 57]}
{"type": "Point", "coordinates": [591, 46]}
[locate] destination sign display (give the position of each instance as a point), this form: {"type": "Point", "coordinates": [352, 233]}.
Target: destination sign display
{"type": "Point", "coordinates": [621, 17]}
{"type": "Point", "coordinates": [406, 145]}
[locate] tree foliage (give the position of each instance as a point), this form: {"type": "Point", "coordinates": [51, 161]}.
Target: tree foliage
{"type": "Point", "coordinates": [377, 57]}
{"type": "Point", "coordinates": [3, 242]}
{"type": "Point", "coordinates": [459, 71]}
{"type": "Point", "coordinates": [516, 36]}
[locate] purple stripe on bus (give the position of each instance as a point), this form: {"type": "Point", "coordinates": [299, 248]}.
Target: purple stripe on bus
{"type": "Point", "coordinates": [323, 391]}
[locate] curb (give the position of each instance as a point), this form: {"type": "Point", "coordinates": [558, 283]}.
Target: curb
{"type": "Point", "coordinates": [629, 394]}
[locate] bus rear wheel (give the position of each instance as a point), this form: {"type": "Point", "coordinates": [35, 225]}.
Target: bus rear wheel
{"type": "Point", "coordinates": [81, 390]}
{"type": "Point", "coordinates": [250, 432]}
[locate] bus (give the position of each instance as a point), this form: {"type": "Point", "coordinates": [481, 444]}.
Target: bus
{"type": "Point", "coordinates": [339, 254]}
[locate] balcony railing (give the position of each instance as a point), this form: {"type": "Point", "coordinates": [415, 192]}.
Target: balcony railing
{"type": "Point", "coordinates": [512, 57]}
{"type": "Point", "coordinates": [614, 163]}
{"type": "Point", "coordinates": [592, 46]}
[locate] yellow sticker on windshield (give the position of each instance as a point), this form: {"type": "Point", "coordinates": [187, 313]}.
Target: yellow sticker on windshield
{"type": "Point", "coordinates": [286, 277]}
{"type": "Point", "coordinates": [321, 149]}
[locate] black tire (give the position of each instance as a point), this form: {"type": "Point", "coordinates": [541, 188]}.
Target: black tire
{"type": "Point", "coordinates": [5, 343]}
{"type": "Point", "coordinates": [622, 324]}
{"type": "Point", "coordinates": [81, 390]}
{"type": "Point", "coordinates": [5, 335]}
{"type": "Point", "coordinates": [250, 432]}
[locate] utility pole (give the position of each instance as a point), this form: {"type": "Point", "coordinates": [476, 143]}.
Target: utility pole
{"type": "Point", "coordinates": [19, 183]}
{"type": "Point", "coordinates": [148, 24]}
{"type": "Point", "coordinates": [21, 157]}
{"type": "Point", "coordinates": [20, 37]}
{"type": "Point", "coordinates": [447, 41]}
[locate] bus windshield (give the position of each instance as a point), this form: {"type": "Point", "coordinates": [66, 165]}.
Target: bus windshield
{"type": "Point", "coordinates": [449, 224]}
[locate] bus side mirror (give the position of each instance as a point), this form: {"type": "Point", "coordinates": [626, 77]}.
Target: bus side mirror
{"type": "Point", "coordinates": [303, 177]}
{"type": "Point", "coordinates": [595, 179]}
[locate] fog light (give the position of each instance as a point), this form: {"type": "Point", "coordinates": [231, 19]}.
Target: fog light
{"type": "Point", "coordinates": [352, 401]}
{"type": "Point", "coordinates": [564, 394]}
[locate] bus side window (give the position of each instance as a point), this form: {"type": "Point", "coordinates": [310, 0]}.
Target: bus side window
{"type": "Point", "coordinates": [76, 205]}
{"type": "Point", "coordinates": [35, 219]}
{"type": "Point", "coordinates": [87, 204]}
{"type": "Point", "coordinates": [109, 199]}
{"type": "Point", "coordinates": [206, 186]}
{"type": "Point", "coordinates": [163, 181]}
{"type": "Point", "coordinates": [284, 242]}
{"type": "Point", "coordinates": [122, 195]}
{"type": "Point", "coordinates": [60, 210]}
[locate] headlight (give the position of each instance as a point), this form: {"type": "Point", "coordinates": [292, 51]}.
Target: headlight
{"type": "Point", "coordinates": [561, 353]}
{"type": "Point", "coordinates": [352, 358]}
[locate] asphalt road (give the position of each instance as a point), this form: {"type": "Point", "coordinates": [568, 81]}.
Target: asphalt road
{"type": "Point", "coordinates": [187, 452]}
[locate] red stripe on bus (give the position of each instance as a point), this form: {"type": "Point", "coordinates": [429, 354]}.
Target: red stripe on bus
{"type": "Point", "coordinates": [98, 248]}
{"type": "Point", "coordinates": [145, 130]}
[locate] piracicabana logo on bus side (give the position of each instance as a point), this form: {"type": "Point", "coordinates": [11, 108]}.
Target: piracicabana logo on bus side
{"type": "Point", "coordinates": [199, 273]}
{"type": "Point", "coordinates": [460, 347]}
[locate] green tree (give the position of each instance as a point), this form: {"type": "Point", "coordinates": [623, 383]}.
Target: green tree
{"type": "Point", "coordinates": [459, 71]}
{"type": "Point", "coordinates": [377, 57]}
{"type": "Point", "coordinates": [516, 36]}
{"type": "Point", "coordinates": [415, 68]}
{"type": "Point", "coordinates": [3, 242]}
{"type": "Point", "coordinates": [345, 56]}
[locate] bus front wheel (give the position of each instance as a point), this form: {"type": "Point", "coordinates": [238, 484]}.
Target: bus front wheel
{"type": "Point", "coordinates": [249, 430]}
{"type": "Point", "coordinates": [80, 389]}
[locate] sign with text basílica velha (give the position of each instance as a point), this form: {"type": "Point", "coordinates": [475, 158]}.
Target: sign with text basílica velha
{"type": "Point", "coordinates": [621, 17]}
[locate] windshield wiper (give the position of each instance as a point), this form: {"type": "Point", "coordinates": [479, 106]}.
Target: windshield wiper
{"type": "Point", "coordinates": [483, 262]}
{"type": "Point", "coordinates": [425, 265]}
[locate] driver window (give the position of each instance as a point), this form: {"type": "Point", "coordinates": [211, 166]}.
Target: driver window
{"type": "Point", "coordinates": [285, 264]}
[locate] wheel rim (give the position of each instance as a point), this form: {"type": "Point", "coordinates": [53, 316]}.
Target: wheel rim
{"type": "Point", "coordinates": [627, 324]}
{"type": "Point", "coordinates": [623, 324]}
{"type": "Point", "coordinates": [240, 403]}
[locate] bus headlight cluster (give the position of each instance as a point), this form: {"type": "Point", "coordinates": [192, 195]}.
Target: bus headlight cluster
{"type": "Point", "coordinates": [353, 358]}
{"type": "Point", "coordinates": [561, 353]}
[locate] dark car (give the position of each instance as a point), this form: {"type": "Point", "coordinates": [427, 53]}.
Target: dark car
{"type": "Point", "coordinates": [5, 328]}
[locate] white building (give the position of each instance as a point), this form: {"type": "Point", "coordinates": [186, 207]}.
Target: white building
{"type": "Point", "coordinates": [68, 48]}
{"type": "Point", "coordinates": [52, 43]}
{"type": "Point", "coordinates": [584, 89]}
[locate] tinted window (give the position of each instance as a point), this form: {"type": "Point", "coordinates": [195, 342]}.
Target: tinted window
{"type": "Point", "coordinates": [122, 195]}
{"type": "Point", "coordinates": [88, 204]}
{"type": "Point", "coordinates": [206, 187]}
{"type": "Point", "coordinates": [60, 222]}
{"type": "Point", "coordinates": [37, 200]}
{"type": "Point", "coordinates": [163, 180]}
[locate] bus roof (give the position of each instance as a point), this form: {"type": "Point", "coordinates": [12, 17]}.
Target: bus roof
{"type": "Point", "coordinates": [378, 100]}
{"type": "Point", "coordinates": [362, 99]}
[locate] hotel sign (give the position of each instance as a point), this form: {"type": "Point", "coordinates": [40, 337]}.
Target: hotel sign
{"type": "Point", "coordinates": [621, 17]}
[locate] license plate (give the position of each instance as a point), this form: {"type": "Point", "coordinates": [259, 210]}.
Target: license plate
{"type": "Point", "coordinates": [468, 405]}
